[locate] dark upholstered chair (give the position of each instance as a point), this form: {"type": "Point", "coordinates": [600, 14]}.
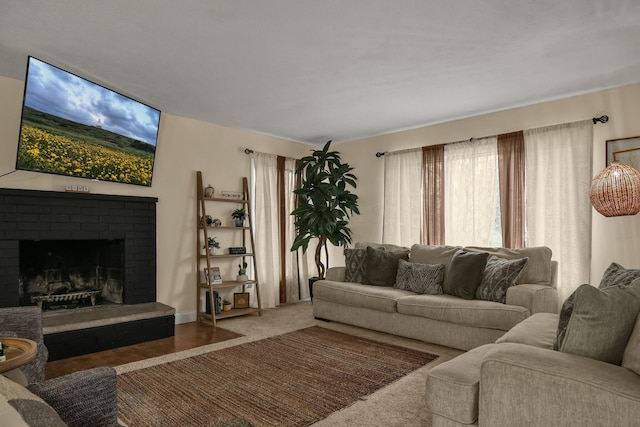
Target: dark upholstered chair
{"type": "Point", "coordinates": [85, 398]}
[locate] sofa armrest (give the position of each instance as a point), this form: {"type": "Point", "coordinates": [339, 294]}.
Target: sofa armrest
{"type": "Point", "coordinates": [84, 398]}
{"type": "Point", "coordinates": [336, 274]}
{"type": "Point", "coordinates": [548, 387]}
{"type": "Point", "coordinates": [537, 298]}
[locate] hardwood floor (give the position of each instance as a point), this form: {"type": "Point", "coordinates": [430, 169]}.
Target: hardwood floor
{"type": "Point", "coordinates": [187, 336]}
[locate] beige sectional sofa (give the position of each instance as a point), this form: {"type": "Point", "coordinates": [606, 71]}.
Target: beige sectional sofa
{"type": "Point", "coordinates": [521, 381]}
{"type": "Point", "coordinates": [440, 319]}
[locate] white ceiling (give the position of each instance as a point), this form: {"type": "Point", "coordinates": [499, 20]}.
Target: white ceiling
{"type": "Point", "coordinates": [311, 71]}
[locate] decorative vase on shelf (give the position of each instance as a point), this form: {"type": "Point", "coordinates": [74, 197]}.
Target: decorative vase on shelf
{"type": "Point", "coordinates": [208, 191]}
{"type": "Point", "coordinates": [213, 251]}
{"type": "Point", "coordinates": [226, 307]}
{"type": "Point", "coordinates": [242, 277]}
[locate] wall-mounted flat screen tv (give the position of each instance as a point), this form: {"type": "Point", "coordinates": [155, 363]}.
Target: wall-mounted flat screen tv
{"type": "Point", "coordinates": [71, 126]}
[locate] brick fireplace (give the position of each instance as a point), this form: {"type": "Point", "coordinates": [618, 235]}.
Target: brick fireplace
{"type": "Point", "coordinates": [28, 216]}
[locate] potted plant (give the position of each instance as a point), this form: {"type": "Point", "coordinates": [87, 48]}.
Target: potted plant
{"type": "Point", "coordinates": [242, 272]}
{"type": "Point", "coordinates": [239, 215]}
{"type": "Point", "coordinates": [226, 305]}
{"type": "Point", "coordinates": [325, 204]}
{"type": "Point", "coordinates": [212, 244]}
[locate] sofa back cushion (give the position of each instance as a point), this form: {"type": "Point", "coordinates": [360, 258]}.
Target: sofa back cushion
{"type": "Point", "coordinates": [538, 268]}
{"type": "Point", "coordinates": [433, 255]}
{"type": "Point", "coordinates": [19, 407]}
{"type": "Point", "coordinates": [386, 246]}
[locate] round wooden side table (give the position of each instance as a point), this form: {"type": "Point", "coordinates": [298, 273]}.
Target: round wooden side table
{"type": "Point", "coordinates": [17, 351]}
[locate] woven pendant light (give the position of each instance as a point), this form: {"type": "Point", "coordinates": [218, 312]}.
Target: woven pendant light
{"type": "Point", "coordinates": [615, 191]}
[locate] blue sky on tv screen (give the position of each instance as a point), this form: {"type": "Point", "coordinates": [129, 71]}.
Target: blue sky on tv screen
{"type": "Point", "coordinates": [57, 92]}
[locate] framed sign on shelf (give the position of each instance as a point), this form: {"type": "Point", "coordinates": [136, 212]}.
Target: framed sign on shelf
{"type": "Point", "coordinates": [212, 276]}
{"type": "Point", "coordinates": [241, 300]}
{"type": "Point", "coordinates": [625, 151]}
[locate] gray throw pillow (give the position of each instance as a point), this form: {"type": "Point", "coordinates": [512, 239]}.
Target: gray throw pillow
{"type": "Point", "coordinates": [382, 266]}
{"type": "Point", "coordinates": [498, 275]}
{"type": "Point", "coordinates": [465, 273]}
{"type": "Point", "coordinates": [602, 322]}
{"type": "Point", "coordinates": [355, 265]}
{"type": "Point", "coordinates": [615, 274]}
{"type": "Point", "coordinates": [420, 278]}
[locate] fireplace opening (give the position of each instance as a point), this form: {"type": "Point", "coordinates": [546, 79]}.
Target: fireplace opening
{"type": "Point", "coordinates": [64, 274]}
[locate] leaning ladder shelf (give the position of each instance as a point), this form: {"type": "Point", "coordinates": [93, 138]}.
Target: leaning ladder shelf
{"type": "Point", "coordinates": [205, 260]}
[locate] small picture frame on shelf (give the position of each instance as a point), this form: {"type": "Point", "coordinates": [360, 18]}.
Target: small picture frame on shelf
{"type": "Point", "coordinates": [212, 276]}
{"type": "Point", "coordinates": [241, 300]}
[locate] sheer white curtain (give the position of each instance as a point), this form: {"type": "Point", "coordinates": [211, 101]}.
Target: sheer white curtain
{"type": "Point", "coordinates": [558, 211]}
{"type": "Point", "coordinates": [296, 263]}
{"type": "Point", "coordinates": [266, 227]}
{"type": "Point", "coordinates": [403, 206]}
{"type": "Point", "coordinates": [471, 193]}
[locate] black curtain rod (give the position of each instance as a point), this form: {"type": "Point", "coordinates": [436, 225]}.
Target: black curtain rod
{"type": "Point", "coordinates": [596, 120]}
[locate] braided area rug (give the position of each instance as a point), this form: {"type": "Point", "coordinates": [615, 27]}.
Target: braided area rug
{"type": "Point", "coordinates": [294, 379]}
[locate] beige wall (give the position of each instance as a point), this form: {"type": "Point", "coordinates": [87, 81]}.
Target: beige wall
{"type": "Point", "coordinates": [184, 146]}
{"type": "Point", "coordinates": [614, 239]}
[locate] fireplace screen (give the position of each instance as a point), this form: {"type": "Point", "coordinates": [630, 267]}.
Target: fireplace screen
{"type": "Point", "coordinates": [71, 273]}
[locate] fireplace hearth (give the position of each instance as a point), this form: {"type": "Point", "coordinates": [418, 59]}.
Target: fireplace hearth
{"type": "Point", "coordinates": [83, 247]}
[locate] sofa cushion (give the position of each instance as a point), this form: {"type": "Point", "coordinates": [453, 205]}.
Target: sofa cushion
{"type": "Point", "coordinates": [538, 268]}
{"type": "Point", "coordinates": [433, 254]}
{"type": "Point", "coordinates": [379, 298]}
{"type": "Point", "coordinates": [602, 322]}
{"type": "Point", "coordinates": [453, 386]}
{"type": "Point", "coordinates": [420, 278]}
{"type": "Point", "coordinates": [386, 246]}
{"type": "Point", "coordinates": [382, 266]}
{"type": "Point", "coordinates": [631, 358]}
{"type": "Point", "coordinates": [538, 330]}
{"type": "Point", "coordinates": [465, 273]}
{"type": "Point", "coordinates": [451, 309]}
{"type": "Point", "coordinates": [498, 275]}
{"type": "Point", "coordinates": [19, 407]}
{"type": "Point", "coordinates": [356, 267]}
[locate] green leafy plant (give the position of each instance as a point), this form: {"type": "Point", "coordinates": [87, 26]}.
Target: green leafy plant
{"type": "Point", "coordinates": [325, 204]}
{"type": "Point", "coordinates": [239, 214]}
{"type": "Point", "coordinates": [211, 243]}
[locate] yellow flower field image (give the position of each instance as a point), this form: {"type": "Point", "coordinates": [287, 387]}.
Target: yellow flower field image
{"type": "Point", "coordinates": [43, 150]}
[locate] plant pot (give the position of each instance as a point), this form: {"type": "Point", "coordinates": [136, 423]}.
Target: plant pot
{"type": "Point", "coordinates": [312, 280]}
{"type": "Point", "coordinates": [239, 222]}
{"type": "Point", "coordinates": [213, 251]}
{"type": "Point", "coordinates": [242, 277]}
{"type": "Point", "coordinates": [226, 307]}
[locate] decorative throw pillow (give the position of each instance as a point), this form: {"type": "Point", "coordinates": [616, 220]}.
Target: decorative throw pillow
{"type": "Point", "coordinates": [465, 273]}
{"type": "Point", "coordinates": [382, 266]}
{"type": "Point", "coordinates": [615, 274]}
{"type": "Point", "coordinates": [498, 275]}
{"type": "Point", "coordinates": [355, 265]}
{"type": "Point", "coordinates": [20, 407]}
{"type": "Point", "coordinates": [602, 322]}
{"type": "Point", "coordinates": [420, 278]}
{"type": "Point", "coordinates": [631, 358]}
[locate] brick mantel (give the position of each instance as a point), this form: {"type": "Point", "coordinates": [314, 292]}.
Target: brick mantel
{"type": "Point", "coordinates": [51, 215]}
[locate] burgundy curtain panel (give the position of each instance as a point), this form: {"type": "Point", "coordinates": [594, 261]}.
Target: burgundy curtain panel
{"type": "Point", "coordinates": [511, 176]}
{"type": "Point", "coordinates": [282, 226]}
{"type": "Point", "coordinates": [433, 185]}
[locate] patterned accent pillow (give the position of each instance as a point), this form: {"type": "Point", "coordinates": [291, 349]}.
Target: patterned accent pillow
{"type": "Point", "coordinates": [499, 274]}
{"type": "Point", "coordinates": [420, 278]}
{"type": "Point", "coordinates": [20, 407]}
{"type": "Point", "coordinates": [355, 261]}
{"type": "Point", "coordinates": [615, 274]}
